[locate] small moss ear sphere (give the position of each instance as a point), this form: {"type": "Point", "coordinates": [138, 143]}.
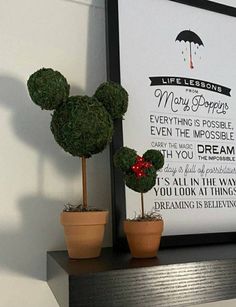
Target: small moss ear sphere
{"type": "Point", "coordinates": [114, 98]}
{"type": "Point", "coordinates": [48, 88]}
{"type": "Point", "coordinates": [155, 157]}
{"type": "Point", "coordinates": [82, 126]}
{"type": "Point", "coordinates": [124, 158]}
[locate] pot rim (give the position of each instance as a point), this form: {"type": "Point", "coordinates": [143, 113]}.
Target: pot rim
{"type": "Point", "coordinates": [143, 221]}
{"type": "Point", "coordinates": [94, 211]}
{"type": "Point", "coordinates": [84, 218]}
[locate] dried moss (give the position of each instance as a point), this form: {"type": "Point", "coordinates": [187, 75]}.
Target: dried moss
{"type": "Point", "coordinates": [155, 157]}
{"type": "Point", "coordinates": [143, 184]}
{"type": "Point", "coordinates": [148, 216]}
{"type": "Point", "coordinates": [124, 158]}
{"type": "Point", "coordinates": [114, 98]}
{"type": "Point", "coordinates": [82, 126]}
{"type": "Point", "coordinates": [48, 88]}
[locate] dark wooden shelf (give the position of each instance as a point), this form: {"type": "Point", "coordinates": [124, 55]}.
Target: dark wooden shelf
{"type": "Point", "coordinates": [177, 277]}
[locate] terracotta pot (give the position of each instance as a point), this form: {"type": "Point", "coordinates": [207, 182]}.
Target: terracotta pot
{"type": "Point", "coordinates": [84, 232]}
{"type": "Point", "coordinates": [143, 237]}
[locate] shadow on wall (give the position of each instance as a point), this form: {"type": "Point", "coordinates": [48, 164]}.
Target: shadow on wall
{"type": "Point", "coordinates": [99, 165]}
{"type": "Point", "coordinates": [31, 125]}
{"type": "Point", "coordinates": [96, 43]}
{"type": "Point", "coordinates": [93, 3]}
{"type": "Point", "coordinates": [24, 250]}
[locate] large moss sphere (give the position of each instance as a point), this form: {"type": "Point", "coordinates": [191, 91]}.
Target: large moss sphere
{"type": "Point", "coordinates": [48, 88]}
{"type": "Point", "coordinates": [82, 126]}
{"type": "Point", "coordinates": [114, 98]}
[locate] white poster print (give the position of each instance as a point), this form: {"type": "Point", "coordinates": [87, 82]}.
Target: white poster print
{"type": "Point", "coordinates": [178, 65]}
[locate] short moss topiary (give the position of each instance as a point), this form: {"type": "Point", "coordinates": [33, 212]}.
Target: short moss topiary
{"type": "Point", "coordinates": [82, 126]}
{"type": "Point", "coordinates": [114, 98]}
{"type": "Point", "coordinates": [139, 172]}
{"type": "Point", "coordinates": [48, 88]}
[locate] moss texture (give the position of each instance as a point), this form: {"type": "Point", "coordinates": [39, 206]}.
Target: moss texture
{"type": "Point", "coordinates": [114, 98]}
{"type": "Point", "coordinates": [48, 88]}
{"type": "Point", "coordinates": [143, 184]}
{"type": "Point", "coordinates": [126, 157]}
{"type": "Point", "coordinates": [82, 126]}
{"type": "Point", "coordinates": [155, 157]}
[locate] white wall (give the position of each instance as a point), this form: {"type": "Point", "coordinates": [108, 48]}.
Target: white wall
{"type": "Point", "coordinates": [37, 177]}
{"type": "Point", "coordinates": [226, 2]}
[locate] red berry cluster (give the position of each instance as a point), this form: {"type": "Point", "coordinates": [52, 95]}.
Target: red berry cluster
{"type": "Point", "coordinates": [140, 166]}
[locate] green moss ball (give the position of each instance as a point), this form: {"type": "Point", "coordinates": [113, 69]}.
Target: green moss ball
{"type": "Point", "coordinates": [48, 88]}
{"type": "Point", "coordinates": [82, 126]}
{"type": "Point", "coordinates": [143, 184]}
{"type": "Point", "coordinates": [124, 158]}
{"type": "Point", "coordinates": [155, 157]}
{"type": "Point", "coordinates": [114, 98]}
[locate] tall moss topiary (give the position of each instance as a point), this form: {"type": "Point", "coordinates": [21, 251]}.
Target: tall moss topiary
{"type": "Point", "coordinates": [139, 172]}
{"type": "Point", "coordinates": [81, 125]}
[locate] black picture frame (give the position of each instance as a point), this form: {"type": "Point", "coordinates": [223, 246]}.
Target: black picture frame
{"type": "Point", "coordinates": [117, 184]}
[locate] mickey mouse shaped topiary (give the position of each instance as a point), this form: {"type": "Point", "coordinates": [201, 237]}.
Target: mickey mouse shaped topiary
{"type": "Point", "coordinates": [140, 175]}
{"type": "Point", "coordinates": [139, 172]}
{"type": "Point", "coordinates": [81, 125]}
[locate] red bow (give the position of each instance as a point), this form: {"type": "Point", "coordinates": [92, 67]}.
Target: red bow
{"type": "Point", "coordinates": [140, 166]}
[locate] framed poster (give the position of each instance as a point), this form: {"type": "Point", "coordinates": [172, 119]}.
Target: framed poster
{"type": "Point", "coordinates": [177, 61]}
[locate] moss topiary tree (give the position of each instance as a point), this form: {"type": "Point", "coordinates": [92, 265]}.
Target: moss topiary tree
{"type": "Point", "coordinates": [139, 172]}
{"type": "Point", "coordinates": [81, 125]}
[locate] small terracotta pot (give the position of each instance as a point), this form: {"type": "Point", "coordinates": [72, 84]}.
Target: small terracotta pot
{"type": "Point", "coordinates": [143, 237]}
{"type": "Point", "coordinates": [84, 232]}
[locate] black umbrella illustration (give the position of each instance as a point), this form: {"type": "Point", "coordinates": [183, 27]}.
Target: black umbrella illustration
{"type": "Point", "coordinates": [191, 38]}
